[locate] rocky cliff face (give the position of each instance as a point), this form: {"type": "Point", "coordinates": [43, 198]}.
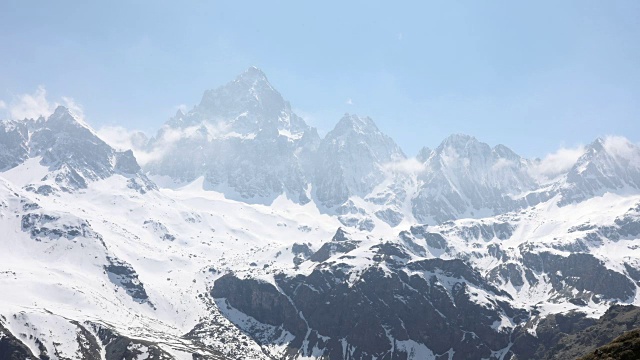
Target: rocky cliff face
{"type": "Point", "coordinates": [71, 152]}
{"type": "Point", "coordinates": [458, 253]}
{"type": "Point", "coordinates": [246, 142]}
{"type": "Point", "coordinates": [243, 138]}
{"type": "Point", "coordinates": [465, 177]}
{"type": "Point", "coordinates": [608, 164]}
{"type": "Point", "coordinates": [572, 335]}
{"type": "Point", "coordinates": [426, 307]}
{"type": "Point", "coordinates": [350, 160]}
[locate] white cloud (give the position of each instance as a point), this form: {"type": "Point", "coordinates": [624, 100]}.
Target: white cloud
{"type": "Point", "coordinates": [618, 145]}
{"type": "Point", "coordinates": [501, 164]}
{"type": "Point", "coordinates": [622, 148]}
{"type": "Point", "coordinates": [74, 108]}
{"type": "Point", "coordinates": [405, 166]}
{"type": "Point", "coordinates": [122, 139]}
{"type": "Point", "coordinates": [556, 163]}
{"type": "Point", "coordinates": [349, 101]}
{"type": "Point", "coordinates": [31, 106]}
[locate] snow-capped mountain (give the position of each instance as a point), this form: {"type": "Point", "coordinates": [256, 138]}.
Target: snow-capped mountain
{"type": "Point", "coordinates": [350, 160]}
{"type": "Point", "coordinates": [608, 164]}
{"type": "Point", "coordinates": [464, 176]}
{"type": "Point", "coordinates": [265, 241]}
{"type": "Point", "coordinates": [67, 152]}
{"type": "Point", "coordinates": [243, 138]}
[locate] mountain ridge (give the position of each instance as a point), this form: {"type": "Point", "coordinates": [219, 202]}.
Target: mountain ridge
{"type": "Point", "coordinates": [274, 237]}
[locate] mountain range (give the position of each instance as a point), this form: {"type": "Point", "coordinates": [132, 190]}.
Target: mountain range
{"type": "Point", "coordinates": [246, 235]}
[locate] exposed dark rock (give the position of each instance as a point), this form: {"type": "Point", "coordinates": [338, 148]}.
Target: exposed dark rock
{"type": "Point", "coordinates": [505, 273]}
{"type": "Point", "coordinates": [333, 247]}
{"type": "Point", "coordinates": [260, 300]}
{"type": "Point", "coordinates": [624, 347]}
{"type": "Point", "coordinates": [301, 252]}
{"type": "Point", "coordinates": [390, 216]}
{"type": "Point", "coordinates": [13, 147]}
{"type": "Point", "coordinates": [391, 253]}
{"type": "Point", "coordinates": [11, 348]}
{"type": "Point", "coordinates": [45, 225]}
{"type": "Point", "coordinates": [324, 307]}
{"type": "Point", "coordinates": [87, 342]}
{"type": "Point", "coordinates": [568, 336]}
{"type": "Point", "coordinates": [433, 240]}
{"type": "Point", "coordinates": [120, 347]}
{"type": "Point", "coordinates": [484, 231]}
{"type": "Point", "coordinates": [340, 235]}
{"type": "Point", "coordinates": [124, 276]}
{"type": "Point", "coordinates": [126, 163]}
{"type": "Point", "coordinates": [582, 272]}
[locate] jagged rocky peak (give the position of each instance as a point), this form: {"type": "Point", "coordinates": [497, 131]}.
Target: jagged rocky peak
{"type": "Point", "coordinates": [355, 123]}
{"type": "Point", "coordinates": [466, 177]}
{"type": "Point", "coordinates": [72, 151]}
{"type": "Point", "coordinates": [247, 105]}
{"type": "Point", "coordinates": [424, 154]}
{"type": "Point", "coordinates": [608, 164]}
{"type": "Point", "coordinates": [469, 159]}
{"type": "Point", "coordinates": [351, 160]}
{"type": "Point", "coordinates": [340, 235]}
{"type": "Point", "coordinates": [244, 139]}
{"type": "Point", "coordinates": [62, 117]}
{"type": "Point", "coordinates": [608, 155]}
{"type": "Point", "coordinates": [462, 146]}
{"type": "Point", "coordinates": [355, 132]}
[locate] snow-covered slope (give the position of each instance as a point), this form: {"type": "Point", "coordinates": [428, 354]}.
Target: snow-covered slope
{"type": "Point", "coordinates": [272, 243]}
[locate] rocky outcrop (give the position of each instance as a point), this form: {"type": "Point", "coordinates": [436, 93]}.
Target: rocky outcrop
{"type": "Point", "coordinates": [624, 347]}
{"type": "Point", "coordinates": [11, 348]}
{"type": "Point", "coordinates": [120, 347]}
{"type": "Point", "coordinates": [569, 336]}
{"type": "Point", "coordinates": [73, 153]}
{"type": "Point", "coordinates": [124, 276]}
{"type": "Point", "coordinates": [581, 272]}
{"type": "Point", "coordinates": [378, 315]}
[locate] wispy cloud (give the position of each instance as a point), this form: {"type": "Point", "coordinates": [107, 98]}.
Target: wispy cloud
{"type": "Point", "coordinates": [621, 147]}
{"type": "Point", "coordinates": [556, 163]}
{"type": "Point", "coordinates": [74, 108]}
{"type": "Point", "coordinates": [405, 166]}
{"type": "Point", "coordinates": [349, 101]}
{"type": "Point", "coordinates": [122, 139]}
{"type": "Point", "coordinates": [145, 152]}
{"type": "Point", "coordinates": [36, 104]}
{"type": "Point", "coordinates": [31, 106]}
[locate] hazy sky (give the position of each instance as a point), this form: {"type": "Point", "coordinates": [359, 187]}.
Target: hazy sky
{"type": "Point", "coordinates": [533, 77]}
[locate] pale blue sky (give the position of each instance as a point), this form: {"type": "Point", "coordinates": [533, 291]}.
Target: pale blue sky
{"type": "Point", "coordinates": [531, 75]}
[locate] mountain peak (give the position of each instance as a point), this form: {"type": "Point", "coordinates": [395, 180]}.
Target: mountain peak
{"type": "Point", "coordinates": [424, 154]}
{"type": "Point", "coordinates": [359, 124]}
{"type": "Point", "coordinates": [459, 139]}
{"type": "Point", "coordinates": [597, 145]}
{"type": "Point", "coordinates": [61, 111]}
{"type": "Point", "coordinates": [63, 116]}
{"type": "Point", "coordinates": [252, 75]}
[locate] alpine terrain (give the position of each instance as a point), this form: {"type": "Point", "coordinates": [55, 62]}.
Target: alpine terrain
{"type": "Point", "coordinates": [236, 231]}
